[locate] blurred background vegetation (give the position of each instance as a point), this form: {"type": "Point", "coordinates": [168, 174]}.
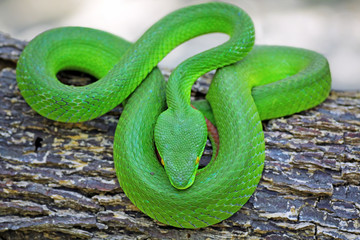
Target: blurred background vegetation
{"type": "Point", "coordinates": [331, 27]}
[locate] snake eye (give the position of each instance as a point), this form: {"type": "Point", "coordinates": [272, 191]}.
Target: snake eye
{"type": "Point", "coordinates": [197, 160]}
{"type": "Point", "coordinates": [162, 162]}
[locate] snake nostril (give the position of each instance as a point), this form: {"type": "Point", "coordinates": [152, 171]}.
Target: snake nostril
{"type": "Point", "coordinates": [75, 78]}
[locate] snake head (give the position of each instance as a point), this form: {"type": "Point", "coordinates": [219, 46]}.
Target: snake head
{"type": "Point", "coordinates": [180, 138]}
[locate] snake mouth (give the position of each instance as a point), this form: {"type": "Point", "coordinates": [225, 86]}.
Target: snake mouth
{"type": "Point", "coordinates": [182, 185]}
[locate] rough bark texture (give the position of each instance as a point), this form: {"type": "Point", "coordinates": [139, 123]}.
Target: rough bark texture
{"type": "Point", "coordinates": [57, 181]}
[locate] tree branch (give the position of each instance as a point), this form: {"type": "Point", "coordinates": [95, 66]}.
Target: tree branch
{"type": "Point", "coordinates": [57, 180]}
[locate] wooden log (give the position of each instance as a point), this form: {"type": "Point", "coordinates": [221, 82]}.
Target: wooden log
{"type": "Point", "coordinates": [57, 180]}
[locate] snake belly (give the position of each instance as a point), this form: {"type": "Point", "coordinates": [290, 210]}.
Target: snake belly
{"type": "Point", "coordinates": [269, 82]}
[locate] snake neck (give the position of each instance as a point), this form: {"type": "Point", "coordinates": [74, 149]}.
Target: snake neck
{"type": "Point", "coordinates": [181, 132]}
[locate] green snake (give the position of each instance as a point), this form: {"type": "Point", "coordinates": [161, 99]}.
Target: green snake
{"type": "Point", "coordinates": [270, 82]}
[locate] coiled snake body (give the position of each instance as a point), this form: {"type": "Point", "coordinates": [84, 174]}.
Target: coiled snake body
{"type": "Point", "coordinates": [269, 82]}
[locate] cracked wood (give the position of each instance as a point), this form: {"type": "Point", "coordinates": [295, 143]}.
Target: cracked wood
{"type": "Point", "coordinates": [57, 180]}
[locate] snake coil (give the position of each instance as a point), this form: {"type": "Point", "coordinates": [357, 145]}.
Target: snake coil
{"type": "Point", "coordinates": [270, 82]}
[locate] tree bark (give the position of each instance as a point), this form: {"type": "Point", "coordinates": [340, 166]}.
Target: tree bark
{"type": "Point", "coordinates": [57, 180]}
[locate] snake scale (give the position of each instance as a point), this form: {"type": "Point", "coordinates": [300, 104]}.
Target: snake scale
{"type": "Point", "coordinates": [270, 82]}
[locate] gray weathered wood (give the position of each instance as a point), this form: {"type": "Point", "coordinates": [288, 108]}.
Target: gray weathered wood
{"type": "Point", "coordinates": [65, 185]}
